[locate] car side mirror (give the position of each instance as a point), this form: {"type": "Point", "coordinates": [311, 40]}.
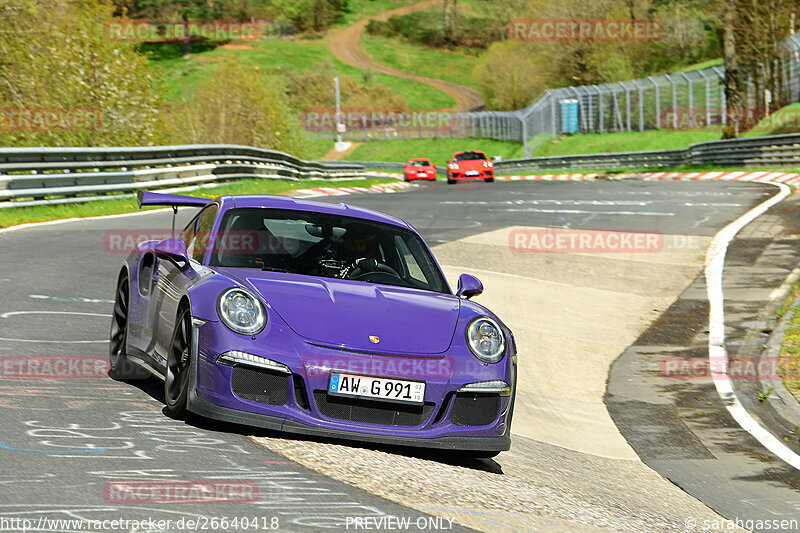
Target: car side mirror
{"type": "Point", "coordinates": [468, 286]}
{"type": "Point", "coordinates": [174, 251]}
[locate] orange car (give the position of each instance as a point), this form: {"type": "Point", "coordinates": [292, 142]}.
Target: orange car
{"type": "Point", "coordinates": [470, 165]}
{"type": "Point", "coordinates": [419, 168]}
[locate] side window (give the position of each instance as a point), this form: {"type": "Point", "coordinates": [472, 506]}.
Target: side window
{"type": "Point", "coordinates": [205, 222]}
{"type": "Point", "coordinates": [412, 267]}
{"type": "Point", "coordinates": [187, 235]}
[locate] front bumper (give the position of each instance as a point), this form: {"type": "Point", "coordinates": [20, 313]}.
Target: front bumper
{"type": "Point", "coordinates": [462, 175]}
{"type": "Point", "coordinates": [298, 402]}
{"type": "Point", "coordinates": [207, 409]}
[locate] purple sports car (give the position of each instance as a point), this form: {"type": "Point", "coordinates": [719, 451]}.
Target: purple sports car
{"type": "Point", "coordinates": [313, 318]}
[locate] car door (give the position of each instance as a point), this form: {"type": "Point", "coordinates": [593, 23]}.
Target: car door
{"type": "Point", "coordinates": [172, 282]}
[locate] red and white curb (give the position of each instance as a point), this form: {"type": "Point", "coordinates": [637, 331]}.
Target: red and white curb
{"type": "Point", "coordinates": [376, 174]}
{"type": "Point", "coordinates": [790, 178]}
{"type": "Point", "coordinates": [342, 191]}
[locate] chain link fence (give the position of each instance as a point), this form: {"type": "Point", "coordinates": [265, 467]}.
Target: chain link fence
{"type": "Point", "coordinates": [692, 99]}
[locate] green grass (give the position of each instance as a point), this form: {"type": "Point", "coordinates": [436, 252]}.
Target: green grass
{"type": "Point", "coordinates": [784, 120]}
{"type": "Point", "coordinates": [316, 148]}
{"type": "Point", "coordinates": [437, 150]}
{"type": "Point", "coordinates": [716, 62]}
{"type": "Point", "coordinates": [626, 141]}
{"type": "Point", "coordinates": [436, 63]}
{"type": "Point", "coordinates": [275, 56]}
{"type": "Point", "coordinates": [359, 9]}
{"type": "Point", "coordinates": [20, 215]}
{"type": "Point", "coordinates": [789, 355]}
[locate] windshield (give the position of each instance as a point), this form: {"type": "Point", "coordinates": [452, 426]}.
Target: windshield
{"type": "Point", "coordinates": [332, 246]}
{"type": "Point", "coordinates": [419, 163]}
{"type": "Point", "coordinates": [466, 156]}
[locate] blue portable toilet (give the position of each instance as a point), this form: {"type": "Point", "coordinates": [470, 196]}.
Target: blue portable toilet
{"type": "Point", "coordinates": [569, 116]}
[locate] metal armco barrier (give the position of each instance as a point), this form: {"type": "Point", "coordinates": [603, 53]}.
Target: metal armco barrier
{"type": "Point", "coordinates": [42, 176]}
{"type": "Point", "coordinates": [757, 152]}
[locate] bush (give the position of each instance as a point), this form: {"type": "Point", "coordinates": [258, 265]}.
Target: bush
{"type": "Point", "coordinates": [239, 105]}
{"type": "Point", "coordinates": [54, 56]}
{"type": "Point", "coordinates": [315, 88]}
{"type": "Point", "coordinates": [425, 27]}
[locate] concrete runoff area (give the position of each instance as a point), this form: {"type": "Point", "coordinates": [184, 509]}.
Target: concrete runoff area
{"type": "Point", "coordinates": [569, 468]}
{"type": "Point", "coordinates": [58, 281]}
{"type": "Point", "coordinates": [566, 350]}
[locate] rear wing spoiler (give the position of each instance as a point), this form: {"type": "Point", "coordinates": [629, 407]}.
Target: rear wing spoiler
{"type": "Point", "coordinates": [172, 200]}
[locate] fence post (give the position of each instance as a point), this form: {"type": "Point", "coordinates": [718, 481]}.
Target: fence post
{"type": "Point", "coordinates": [708, 96]}
{"type": "Point", "coordinates": [723, 102]}
{"type": "Point", "coordinates": [674, 102]}
{"type": "Point", "coordinates": [627, 105]}
{"type": "Point", "coordinates": [691, 93]}
{"type": "Point", "coordinates": [602, 118]}
{"type": "Point", "coordinates": [525, 148]}
{"type": "Point", "coordinates": [641, 104]}
{"type": "Point", "coordinates": [658, 101]}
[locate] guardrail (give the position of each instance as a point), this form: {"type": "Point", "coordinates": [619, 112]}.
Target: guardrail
{"type": "Point", "coordinates": [42, 176]}
{"type": "Point", "coordinates": [757, 152]}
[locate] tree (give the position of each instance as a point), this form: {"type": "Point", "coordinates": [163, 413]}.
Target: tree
{"type": "Point", "coordinates": [54, 55]}
{"type": "Point", "coordinates": [240, 105]}
{"type": "Point", "coordinates": [450, 20]}
{"type": "Point", "coordinates": [733, 97]}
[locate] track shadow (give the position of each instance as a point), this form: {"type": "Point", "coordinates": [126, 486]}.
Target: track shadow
{"type": "Point", "coordinates": [154, 388]}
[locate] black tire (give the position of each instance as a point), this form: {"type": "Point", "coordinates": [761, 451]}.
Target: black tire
{"type": "Point", "coordinates": [489, 180]}
{"type": "Point", "coordinates": [450, 180]}
{"type": "Point", "coordinates": [179, 362]}
{"type": "Point", "coordinates": [120, 367]}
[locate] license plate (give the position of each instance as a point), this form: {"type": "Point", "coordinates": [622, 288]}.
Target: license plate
{"type": "Point", "coordinates": [387, 389]}
{"type": "Point", "coordinates": [471, 173]}
{"type": "Point", "coordinates": [421, 175]}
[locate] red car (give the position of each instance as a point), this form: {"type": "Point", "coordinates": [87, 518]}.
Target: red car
{"type": "Point", "coordinates": [419, 168]}
{"type": "Point", "coordinates": [470, 165]}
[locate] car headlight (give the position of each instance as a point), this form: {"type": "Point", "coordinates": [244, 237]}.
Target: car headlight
{"type": "Point", "coordinates": [241, 311]}
{"type": "Point", "coordinates": [486, 340]}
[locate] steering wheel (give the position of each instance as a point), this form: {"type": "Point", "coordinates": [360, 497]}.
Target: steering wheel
{"type": "Point", "coordinates": [365, 266]}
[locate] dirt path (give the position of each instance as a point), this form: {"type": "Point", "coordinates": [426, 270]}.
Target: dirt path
{"type": "Point", "coordinates": [345, 46]}
{"type": "Point", "coordinates": [334, 155]}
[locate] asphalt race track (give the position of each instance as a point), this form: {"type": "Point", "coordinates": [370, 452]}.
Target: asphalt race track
{"type": "Point", "coordinates": [65, 442]}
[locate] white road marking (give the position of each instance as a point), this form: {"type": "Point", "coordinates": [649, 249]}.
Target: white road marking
{"type": "Point", "coordinates": [16, 313]}
{"type": "Point", "coordinates": [70, 299]}
{"type": "Point", "coordinates": [583, 212]}
{"type": "Point", "coordinates": [77, 219]}
{"type": "Point", "coordinates": [717, 355]}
